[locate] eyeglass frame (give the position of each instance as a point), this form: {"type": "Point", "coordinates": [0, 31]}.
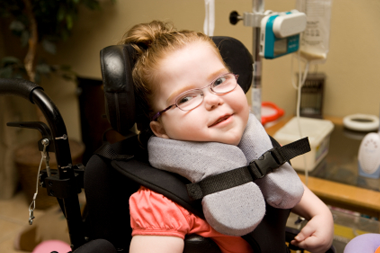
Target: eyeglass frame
{"type": "Point", "coordinates": [158, 114]}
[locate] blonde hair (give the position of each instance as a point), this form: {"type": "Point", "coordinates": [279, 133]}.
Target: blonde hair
{"type": "Point", "coordinates": [153, 42]}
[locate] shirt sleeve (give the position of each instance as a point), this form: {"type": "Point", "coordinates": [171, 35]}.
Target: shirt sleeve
{"type": "Point", "coordinates": [153, 214]}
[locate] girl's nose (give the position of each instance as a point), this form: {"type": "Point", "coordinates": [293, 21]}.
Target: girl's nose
{"type": "Point", "coordinates": [211, 100]}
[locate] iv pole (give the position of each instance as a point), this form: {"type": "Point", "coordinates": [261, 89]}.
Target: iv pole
{"type": "Point", "coordinates": [254, 20]}
{"type": "Point", "coordinates": [258, 8]}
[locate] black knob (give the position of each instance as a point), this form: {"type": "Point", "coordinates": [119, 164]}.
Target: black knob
{"type": "Point", "coordinates": [234, 17]}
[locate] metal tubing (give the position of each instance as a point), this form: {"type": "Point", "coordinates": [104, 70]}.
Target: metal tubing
{"type": "Point", "coordinates": [257, 8]}
{"type": "Point", "coordinates": [65, 170]}
{"type": "Point", "coordinates": [70, 205]}
{"type": "Point", "coordinates": [74, 221]}
{"type": "Point", "coordinates": [59, 133]}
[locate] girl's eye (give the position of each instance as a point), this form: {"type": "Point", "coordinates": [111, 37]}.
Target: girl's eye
{"type": "Point", "coordinates": [186, 98]}
{"type": "Point", "coordinates": [220, 81]}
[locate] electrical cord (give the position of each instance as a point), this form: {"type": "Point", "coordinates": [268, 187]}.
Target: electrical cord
{"type": "Point", "coordinates": [301, 81]}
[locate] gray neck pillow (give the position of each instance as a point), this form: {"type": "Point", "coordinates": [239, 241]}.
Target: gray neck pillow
{"type": "Point", "coordinates": [236, 211]}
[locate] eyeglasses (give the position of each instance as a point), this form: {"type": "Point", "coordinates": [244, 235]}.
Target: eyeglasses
{"type": "Point", "coordinates": [191, 99]}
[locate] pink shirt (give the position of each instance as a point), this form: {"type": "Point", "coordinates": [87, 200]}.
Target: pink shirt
{"type": "Point", "coordinates": [154, 214]}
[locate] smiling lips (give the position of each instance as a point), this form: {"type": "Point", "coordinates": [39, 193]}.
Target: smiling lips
{"type": "Point", "coordinates": [220, 120]}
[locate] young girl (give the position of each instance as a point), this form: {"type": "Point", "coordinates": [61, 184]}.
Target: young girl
{"type": "Point", "coordinates": [169, 63]}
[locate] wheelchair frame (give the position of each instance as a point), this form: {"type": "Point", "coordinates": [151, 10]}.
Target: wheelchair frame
{"type": "Point", "coordinates": [68, 182]}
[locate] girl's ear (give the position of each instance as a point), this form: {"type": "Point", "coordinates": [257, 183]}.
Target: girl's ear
{"type": "Point", "coordinates": [158, 129]}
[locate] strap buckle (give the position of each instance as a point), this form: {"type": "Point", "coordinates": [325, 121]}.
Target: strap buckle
{"type": "Point", "coordinates": [270, 160]}
{"type": "Point", "coordinates": [258, 168]}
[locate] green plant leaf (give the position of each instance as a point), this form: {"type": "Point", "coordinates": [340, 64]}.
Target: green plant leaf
{"type": "Point", "coordinates": [92, 4]}
{"type": "Point", "coordinates": [49, 46]}
{"type": "Point", "coordinates": [65, 67]}
{"type": "Point", "coordinates": [9, 60]}
{"type": "Point", "coordinates": [18, 75]}
{"type": "Point", "coordinates": [37, 78]}
{"type": "Point", "coordinates": [24, 38]}
{"type": "Point", "coordinates": [68, 77]}
{"type": "Point", "coordinates": [6, 72]}
{"type": "Point", "coordinates": [17, 26]}
{"type": "Point", "coordinates": [43, 68]}
{"type": "Point", "coordinates": [69, 22]}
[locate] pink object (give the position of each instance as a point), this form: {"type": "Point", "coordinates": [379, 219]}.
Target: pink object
{"type": "Point", "coordinates": [52, 245]}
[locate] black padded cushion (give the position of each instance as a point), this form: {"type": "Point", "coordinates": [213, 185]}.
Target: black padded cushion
{"type": "Point", "coordinates": [238, 59]}
{"type": "Point", "coordinates": [118, 61]}
{"type": "Point", "coordinates": [116, 64]}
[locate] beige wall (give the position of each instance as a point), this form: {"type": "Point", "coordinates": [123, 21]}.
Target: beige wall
{"type": "Point", "coordinates": [352, 66]}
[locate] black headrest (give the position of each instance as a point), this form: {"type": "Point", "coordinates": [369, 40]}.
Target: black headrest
{"type": "Point", "coordinates": [118, 61]}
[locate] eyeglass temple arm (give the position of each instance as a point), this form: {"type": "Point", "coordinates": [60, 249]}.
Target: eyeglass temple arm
{"type": "Point", "coordinates": [161, 112]}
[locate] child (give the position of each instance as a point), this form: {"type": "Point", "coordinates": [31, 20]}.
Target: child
{"type": "Point", "coordinates": [170, 63]}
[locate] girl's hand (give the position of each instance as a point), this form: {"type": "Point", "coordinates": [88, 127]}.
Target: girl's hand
{"type": "Point", "coordinates": [316, 236]}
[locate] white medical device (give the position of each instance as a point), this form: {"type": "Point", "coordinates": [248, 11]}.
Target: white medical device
{"type": "Point", "coordinates": [369, 150]}
{"type": "Point", "coordinates": [369, 156]}
{"type": "Point", "coordinates": [280, 33]}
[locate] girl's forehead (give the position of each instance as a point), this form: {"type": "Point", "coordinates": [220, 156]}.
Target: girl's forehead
{"type": "Point", "coordinates": [194, 59]}
{"type": "Point", "coordinates": [190, 57]}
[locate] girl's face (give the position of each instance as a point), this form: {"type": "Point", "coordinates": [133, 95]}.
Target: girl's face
{"type": "Point", "coordinates": [219, 118]}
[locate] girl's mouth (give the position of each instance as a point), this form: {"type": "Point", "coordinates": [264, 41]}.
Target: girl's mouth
{"type": "Point", "coordinates": [221, 119]}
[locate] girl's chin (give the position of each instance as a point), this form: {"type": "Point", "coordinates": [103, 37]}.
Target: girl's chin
{"type": "Point", "coordinates": [231, 141]}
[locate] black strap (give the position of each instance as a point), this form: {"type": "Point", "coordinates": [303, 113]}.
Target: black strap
{"type": "Point", "coordinates": [270, 160]}
{"type": "Point", "coordinates": [125, 158]}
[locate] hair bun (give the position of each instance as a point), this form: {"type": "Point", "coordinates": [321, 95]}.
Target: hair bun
{"type": "Point", "coordinates": [145, 34]}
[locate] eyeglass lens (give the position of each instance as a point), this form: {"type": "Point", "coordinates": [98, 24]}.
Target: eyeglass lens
{"type": "Point", "coordinates": [191, 99]}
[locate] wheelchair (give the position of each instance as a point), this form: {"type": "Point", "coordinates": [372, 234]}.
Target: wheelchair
{"type": "Point", "coordinates": [117, 170]}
